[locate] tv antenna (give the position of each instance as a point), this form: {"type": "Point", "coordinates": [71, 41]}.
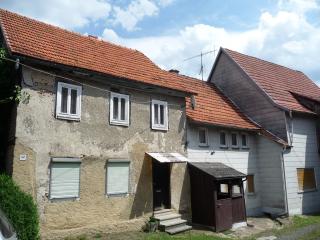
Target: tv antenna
{"type": "Point", "coordinates": [201, 61]}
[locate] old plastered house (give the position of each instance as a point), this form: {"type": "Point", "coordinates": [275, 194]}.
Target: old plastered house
{"type": "Point", "coordinates": [89, 140]}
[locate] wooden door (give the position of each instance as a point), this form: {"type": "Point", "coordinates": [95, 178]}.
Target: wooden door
{"type": "Point", "coordinates": [161, 185]}
{"type": "Point", "coordinates": [223, 214]}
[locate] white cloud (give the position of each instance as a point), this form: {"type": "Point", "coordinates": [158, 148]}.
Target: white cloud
{"type": "Point", "coordinates": [135, 12]}
{"type": "Point", "coordinates": [285, 37]}
{"type": "Point", "coordinates": [65, 13]}
{"type": "Point", "coordinates": [165, 3]}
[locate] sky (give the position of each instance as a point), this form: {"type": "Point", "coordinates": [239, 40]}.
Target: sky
{"type": "Point", "coordinates": [170, 32]}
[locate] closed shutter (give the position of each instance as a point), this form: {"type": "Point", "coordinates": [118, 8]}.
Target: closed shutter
{"type": "Point", "coordinates": [306, 179]}
{"type": "Point", "coordinates": [250, 184]}
{"type": "Point", "coordinates": [118, 178]}
{"type": "Point", "coordinates": [65, 180]}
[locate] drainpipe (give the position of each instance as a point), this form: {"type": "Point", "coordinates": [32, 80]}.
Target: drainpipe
{"type": "Point", "coordinates": [284, 183]}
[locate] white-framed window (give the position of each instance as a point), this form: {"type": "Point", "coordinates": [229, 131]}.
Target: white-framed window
{"type": "Point", "coordinates": [223, 139]}
{"type": "Point", "coordinates": [203, 137]}
{"type": "Point", "coordinates": [118, 176]}
{"type": "Point", "coordinates": [64, 178]}
{"type": "Point", "coordinates": [68, 101]}
{"type": "Point", "coordinates": [159, 115]}
{"type": "Point", "coordinates": [250, 184]}
{"type": "Point", "coordinates": [234, 140]}
{"type": "Point", "coordinates": [119, 109]}
{"type": "Point", "coordinates": [244, 140]}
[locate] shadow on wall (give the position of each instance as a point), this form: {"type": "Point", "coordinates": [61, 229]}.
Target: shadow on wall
{"type": "Point", "coordinates": [185, 199]}
{"type": "Point", "coordinates": [142, 202]}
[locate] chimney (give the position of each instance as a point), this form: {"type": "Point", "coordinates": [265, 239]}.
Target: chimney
{"type": "Point", "coordinates": [174, 71]}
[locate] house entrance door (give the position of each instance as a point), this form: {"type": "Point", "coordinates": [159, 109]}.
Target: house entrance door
{"type": "Point", "coordinates": [161, 185]}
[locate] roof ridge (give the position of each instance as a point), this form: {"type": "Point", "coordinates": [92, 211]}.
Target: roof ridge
{"type": "Point", "coordinates": [266, 61]}
{"type": "Point", "coordinates": [99, 40]}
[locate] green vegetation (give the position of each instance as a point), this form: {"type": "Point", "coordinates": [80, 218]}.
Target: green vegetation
{"type": "Point", "coordinates": [20, 209]}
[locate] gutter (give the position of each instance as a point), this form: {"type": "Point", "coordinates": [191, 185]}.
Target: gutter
{"type": "Point", "coordinates": [286, 212]}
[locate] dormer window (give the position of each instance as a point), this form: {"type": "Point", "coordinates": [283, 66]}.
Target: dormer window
{"type": "Point", "coordinates": [119, 109]}
{"type": "Point", "coordinates": [68, 101]}
{"type": "Point", "coordinates": [159, 115]}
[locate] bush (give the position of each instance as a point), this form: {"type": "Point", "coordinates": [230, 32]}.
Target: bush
{"type": "Point", "coordinates": [19, 208]}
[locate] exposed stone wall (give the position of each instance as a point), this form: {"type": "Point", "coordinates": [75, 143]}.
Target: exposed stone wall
{"type": "Point", "coordinates": [41, 136]}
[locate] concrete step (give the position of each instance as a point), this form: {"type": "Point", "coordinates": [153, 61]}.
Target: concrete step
{"type": "Point", "coordinates": [162, 211]}
{"type": "Point", "coordinates": [172, 222]}
{"type": "Point", "coordinates": [179, 229]}
{"type": "Point", "coordinates": [167, 216]}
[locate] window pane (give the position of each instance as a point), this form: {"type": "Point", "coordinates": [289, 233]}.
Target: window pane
{"type": "Point", "coordinates": [64, 180]}
{"type": "Point", "coordinates": [156, 114]}
{"type": "Point", "coordinates": [222, 138]}
{"type": "Point", "coordinates": [73, 101]}
{"type": "Point", "coordinates": [115, 108]}
{"type": "Point", "coordinates": [224, 188]}
{"type": "Point", "coordinates": [202, 136]}
{"type": "Point", "coordinates": [161, 114]}
{"type": "Point", "coordinates": [306, 179]}
{"type": "Point", "coordinates": [250, 184]}
{"type": "Point", "coordinates": [123, 109]}
{"type": "Point", "coordinates": [118, 178]}
{"type": "Point", "coordinates": [244, 140]}
{"type": "Point", "coordinates": [64, 100]}
{"type": "Point", "coordinates": [234, 139]}
{"type": "Point", "coordinates": [236, 190]}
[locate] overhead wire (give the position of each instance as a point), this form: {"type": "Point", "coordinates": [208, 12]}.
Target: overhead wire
{"type": "Point", "coordinates": [81, 83]}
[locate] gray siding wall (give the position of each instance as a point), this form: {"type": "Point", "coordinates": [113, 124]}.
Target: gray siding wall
{"type": "Point", "coordinates": [271, 176]}
{"type": "Point", "coordinates": [246, 95]}
{"type": "Point", "coordinates": [303, 154]}
{"type": "Point", "coordinates": [243, 160]}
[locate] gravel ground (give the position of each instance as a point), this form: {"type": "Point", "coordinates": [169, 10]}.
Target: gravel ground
{"type": "Point", "coordinates": [298, 234]}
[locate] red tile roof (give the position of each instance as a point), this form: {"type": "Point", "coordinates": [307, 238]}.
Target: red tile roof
{"type": "Point", "coordinates": [212, 107]}
{"type": "Point", "coordinates": [38, 40]}
{"type": "Point", "coordinates": [277, 81]}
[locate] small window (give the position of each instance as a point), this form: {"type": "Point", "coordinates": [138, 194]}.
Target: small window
{"type": "Point", "coordinates": [159, 115]}
{"type": "Point", "coordinates": [306, 179]}
{"type": "Point", "coordinates": [244, 140]}
{"type": "Point", "coordinates": [223, 139]}
{"type": "Point", "coordinates": [117, 177]}
{"type": "Point", "coordinates": [119, 109]}
{"type": "Point", "coordinates": [250, 184]}
{"type": "Point", "coordinates": [65, 179]}
{"type": "Point", "coordinates": [234, 140]}
{"type": "Point", "coordinates": [203, 136]}
{"type": "Point", "coordinates": [224, 188]}
{"type": "Point", "coordinates": [236, 190]}
{"type": "Point", "coordinates": [68, 101]}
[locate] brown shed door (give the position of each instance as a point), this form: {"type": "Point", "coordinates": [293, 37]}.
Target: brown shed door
{"type": "Point", "coordinates": [223, 214]}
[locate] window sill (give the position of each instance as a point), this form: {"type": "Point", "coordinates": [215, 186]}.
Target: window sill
{"type": "Point", "coordinates": [224, 147]}
{"type": "Point", "coordinates": [204, 145]}
{"type": "Point", "coordinates": [68, 117]}
{"type": "Point", "coordinates": [111, 195]}
{"type": "Point", "coordinates": [245, 148]}
{"type": "Point", "coordinates": [160, 128]}
{"type": "Point", "coordinates": [116, 123]}
{"type": "Point", "coordinates": [73, 199]}
{"type": "Point", "coordinates": [307, 191]}
{"type": "Point", "coordinates": [235, 147]}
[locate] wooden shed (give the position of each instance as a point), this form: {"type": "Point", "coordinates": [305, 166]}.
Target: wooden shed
{"type": "Point", "coordinates": [217, 196]}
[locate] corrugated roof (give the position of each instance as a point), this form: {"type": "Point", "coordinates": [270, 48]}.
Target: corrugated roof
{"type": "Point", "coordinates": [38, 40]}
{"type": "Point", "coordinates": [277, 81]}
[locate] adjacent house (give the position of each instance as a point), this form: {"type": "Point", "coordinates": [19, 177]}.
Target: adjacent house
{"type": "Point", "coordinates": [285, 102]}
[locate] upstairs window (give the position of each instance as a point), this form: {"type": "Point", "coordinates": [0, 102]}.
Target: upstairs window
{"type": "Point", "coordinates": [306, 179]}
{"type": "Point", "coordinates": [244, 141]}
{"type": "Point", "coordinates": [159, 115]}
{"type": "Point", "coordinates": [234, 140]}
{"type": "Point", "coordinates": [119, 109]}
{"type": "Point", "coordinates": [223, 139]}
{"type": "Point", "coordinates": [203, 137]}
{"type": "Point", "coordinates": [68, 101]}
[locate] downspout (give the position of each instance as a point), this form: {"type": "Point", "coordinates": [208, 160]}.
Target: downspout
{"type": "Point", "coordinates": [284, 183]}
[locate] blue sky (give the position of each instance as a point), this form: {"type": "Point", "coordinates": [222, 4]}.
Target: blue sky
{"type": "Point", "coordinates": [168, 31]}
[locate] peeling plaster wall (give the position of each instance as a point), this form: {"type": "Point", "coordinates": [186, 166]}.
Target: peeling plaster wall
{"type": "Point", "coordinates": [41, 136]}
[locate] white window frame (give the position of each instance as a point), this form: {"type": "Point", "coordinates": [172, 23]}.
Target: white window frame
{"type": "Point", "coordinates": [165, 115]}
{"type": "Point", "coordinates": [247, 140]}
{"type": "Point", "coordinates": [126, 121]}
{"type": "Point", "coordinates": [226, 139]}
{"type": "Point", "coordinates": [112, 194]}
{"type": "Point", "coordinates": [206, 144]}
{"type": "Point", "coordinates": [68, 115]}
{"type": "Point", "coordinates": [237, 137]}
{"type": "Point", "coordinates": [66, 161]}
